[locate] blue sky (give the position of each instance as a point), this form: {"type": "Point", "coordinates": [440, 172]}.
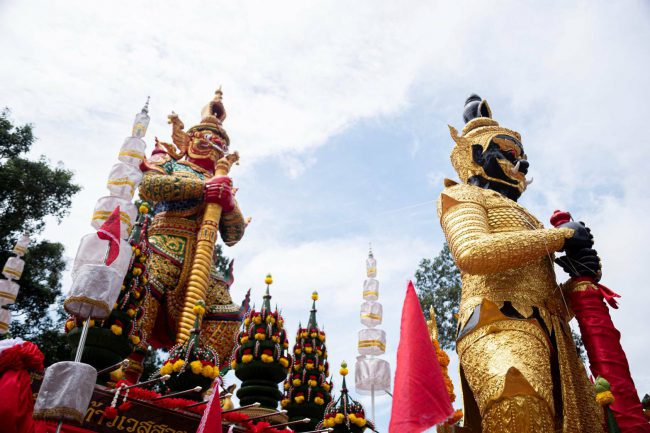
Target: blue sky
{"type": "Point", "coordinates": [340, 113]}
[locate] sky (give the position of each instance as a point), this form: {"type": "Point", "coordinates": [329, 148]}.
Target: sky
{"type": "Point", "coordinates": [340, 111]}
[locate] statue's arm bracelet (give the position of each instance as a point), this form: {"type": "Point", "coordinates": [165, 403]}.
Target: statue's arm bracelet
{"type": "Point", "coordinates": [160, 187]}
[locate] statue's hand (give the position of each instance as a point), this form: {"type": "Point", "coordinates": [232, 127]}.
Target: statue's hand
{"type": "Point", "coordinates": [581, 238]}
{"type": "Point", "coordinates": [581, 263]}
{"type": "Point", "coordinates": [219, 190]}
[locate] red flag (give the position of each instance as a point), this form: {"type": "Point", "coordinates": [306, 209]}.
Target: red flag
{"type": "Point", "coordinates": [211, 420]}
{"type": "Point", "coordinates": [110, 231]}
{"type": "Point", "coordinates": [420, 398]}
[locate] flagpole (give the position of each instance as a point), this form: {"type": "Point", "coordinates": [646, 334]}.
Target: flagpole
{"type": "Point", "coordinates": [372, 401]}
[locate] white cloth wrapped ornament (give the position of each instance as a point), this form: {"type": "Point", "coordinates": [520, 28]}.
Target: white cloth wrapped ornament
{"type": "Point", "coordinates": [8, 292]}
{"type": "Point", "coordinates": [371, 266]}
{"type": "Point", "coordinates": [104, 208]}
{"type": "Point", "coordinates": [13, 269]}
{"type": "Point", "coordinates": [372, 374]}
{"type": "Point", "coordinates": [5, 320]}
{"type": "Point", "coordinates": [370, 289]}
{"type": "Point", "coordinates": [100, 266]}
{"type": "Point", "coordinates": [372, 341]}
{"type": "Point", "coordinates": [123, 180]}
{"type": "Point", "coordinates": [21, 246]}
{"type": "Point", "coordinates": [371, 314]}
{"type": "Point", "coordinates": [132, 151]}
{"type": "Point", "coordinates": [66, 392]}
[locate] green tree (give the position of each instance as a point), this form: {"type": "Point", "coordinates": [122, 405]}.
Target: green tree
{"type": "Point", "coordinates": [30, 191]}
{"type": "Point", "coordinates": [437, 283]}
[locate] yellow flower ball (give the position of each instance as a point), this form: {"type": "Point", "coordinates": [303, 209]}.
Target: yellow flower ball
{"type": "Point", "coordinates": [343, 371]}
{"type": "Point", "coordinates": [207, 371]}
{"type": "Point", "coordinates": [116, 375]}
{"type": "Point", "coordinates": [361, 422]}
{"type": "Point", "coordinates": [309, 366]}
{"type": "Point", "coordinates": [297, 350]}
{"type": "Point", "coordinates": [260, 336]}
{"type": "Point", "coordinates": [319, 401]}
{"type": "Point", "coordinates": [284, 362]}
{"type": "Point", "coordinates": [233, 364]}
{"type": "Point", "coordinates": [246, 358]}
{"type": "Point", "coordinates": [143, 208]}
{"type": "Point", "coordinates": [299, 399]}
{"type": "Point", "coordinates": [215, 372]}
{"type": "Point", "coordinates": [178, 365]}
{"type": "Point", "coordinates": [352, 417]}
{"type": "Point", "coordinates": [247, 321]}
{"type": "Point", "coordinates": [339, 418]}
{"type": "Point", "coordinates": [91, 323]}
{"type": "Point", "coordinates": [270, 319]}
{"type": "Point", "coordinates": [69, 325]}
{"type": "Point", "coordinates": [604, 398]}
{"type": "Point", "coordinates": [130, 312]}
{"type": "Point", "coordinates": [266, 358]}
{"type": "Point", "coordinates": [296, 382]}
{"type": "Point", "coordinates": [314, 295]}
{"type": "Point", "coordinates": [257, 320]}
{"type": "Point", "coordinates": [268, 279]}
{"type": "Point", "coordinates": [325, 386]}
{"type": "Point", "coordinates": [321, 368]}
{"type": "Point", "coordinates": [313, 334]}
{"type": "Point", "coordinates": [144, 280]}
{"type": "Point", "coordinates": [244, 339]}
{"type": "Point", "coordinates": [196, 367]}
{"type": "Point", "coordinates": [137, 271]}
{"type": "Point", "coordinates": [199, 310]}
{"type": "Point", "coordinates": [117, 330]}
{"type": "Point", "coordinates": [167, 368]}
{"type": "Point", "coordinates": [312, 383]}
{"type": "Point", "coordinates": [284, 402]}
{"type": "Point", "coordinates": [143, 258]}
{"type": "Point", "coordinates": [287, 385]}
{"type": "Point", "coordinates": [135, 339]}
{"type": "Point", "coordinates": [308, 349]}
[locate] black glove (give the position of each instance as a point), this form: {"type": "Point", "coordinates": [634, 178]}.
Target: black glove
{"type": "Point", "coordinates": [581, 263]}
{"type": "Point", "coordinates": [581, 238]}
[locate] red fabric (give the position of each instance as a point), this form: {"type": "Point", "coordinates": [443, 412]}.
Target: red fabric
{"type": "Point", "coordinates": [211, 420]}
{"type": "Point", "coordinates": [606, 356]}
{"type": "Point", "coordinates": [16, 404]}
{"type": "Point", "coordinates": [110, 231]}
{"type": "Point", "coordinates": [420, 398]}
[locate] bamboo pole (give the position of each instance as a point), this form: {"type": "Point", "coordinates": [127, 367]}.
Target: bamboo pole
{"type": "Point", "coordinates": [199, 279]}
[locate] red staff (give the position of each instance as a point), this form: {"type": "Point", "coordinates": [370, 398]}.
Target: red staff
{"type": "Point", "coordinates": [600, 336]}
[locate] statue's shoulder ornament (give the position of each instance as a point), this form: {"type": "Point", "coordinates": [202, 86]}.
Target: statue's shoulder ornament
{"type": "Point", "coordinates": [456, 193]}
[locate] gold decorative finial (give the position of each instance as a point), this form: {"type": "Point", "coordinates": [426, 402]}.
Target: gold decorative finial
{"type": "Point", "coordinates": [214, 112]}
{"type": "Point", "coordinates": [432, 324]}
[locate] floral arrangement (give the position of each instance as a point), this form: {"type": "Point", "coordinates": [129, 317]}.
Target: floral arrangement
{"type": "Point", "coordinates": [191, 363]}
{"type": "Point", "coordinates": [306, 388]}
{"type": "Point", "coordinates": [262, 337]}
{"type": "Point", "coordinates": [604, 397]}
{"type": "Point", "coordinates": [345, 414]}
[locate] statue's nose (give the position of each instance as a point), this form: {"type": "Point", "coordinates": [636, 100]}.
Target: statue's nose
{"type": "Point", "coordinates": [523, 166]}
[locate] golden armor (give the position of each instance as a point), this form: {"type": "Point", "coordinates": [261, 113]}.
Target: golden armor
{"type": "Point", "coordinates": [519, 366]}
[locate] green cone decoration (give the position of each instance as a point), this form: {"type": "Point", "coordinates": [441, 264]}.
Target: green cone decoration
{"type": "Point", "coordinates": [113, 339]}
{"type": "Point", "coordinates": [191, 363]}
{"type": "Point", "coordinates": [307, 390]}
{"type": "Point", "coordinates": [260, 358]}
{"type": "Point", "coordinates": [345, 415]}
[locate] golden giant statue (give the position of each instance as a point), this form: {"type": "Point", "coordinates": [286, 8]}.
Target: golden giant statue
{"type": "Point", "coordinates": [192, 201]}
{"type": "Point", "coordinates": [519, 367]}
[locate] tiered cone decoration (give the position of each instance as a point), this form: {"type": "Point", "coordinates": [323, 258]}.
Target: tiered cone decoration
{"type": "Point", "coordinates": [443, 360]}
{"type": "Point", "coordinates": [345, 415]}
{"type": "Point", "coordinates": [307, 390]}
{"type": "Point", "coordinates": [12, 270]}
{"type": "Point", "coordinates": [191, 363]}
{"type": "Point", "coordinates": [260, 358]}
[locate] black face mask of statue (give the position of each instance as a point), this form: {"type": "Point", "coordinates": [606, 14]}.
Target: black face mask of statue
{"type": "Point", "coordinates": [489, 160]}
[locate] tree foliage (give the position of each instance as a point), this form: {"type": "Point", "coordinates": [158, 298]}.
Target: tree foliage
{"type": "Point", "coordinates": [437, 283]}
{"type": "Point", "coordinates": [30, 191]}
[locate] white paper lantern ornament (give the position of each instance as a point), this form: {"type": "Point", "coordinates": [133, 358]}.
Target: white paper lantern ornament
{"type": "Point", "coordinates": [100, 266]}
{"type": "Point", "coordinates": [371, 314]}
